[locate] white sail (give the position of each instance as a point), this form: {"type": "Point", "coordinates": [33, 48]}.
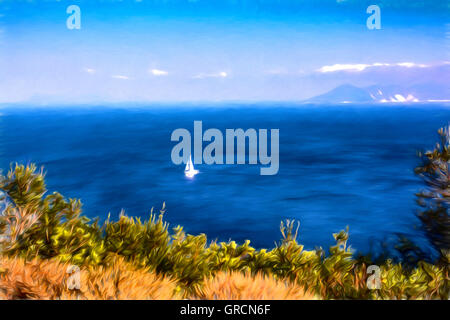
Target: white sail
{"type": "Point", "coordinates": [189, 170]}
{"type": "Point", "coordinates": [188, 165]}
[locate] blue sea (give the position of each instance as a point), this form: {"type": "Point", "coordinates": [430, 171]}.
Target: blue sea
{"type": "Point", "coordinates": [339, 166]}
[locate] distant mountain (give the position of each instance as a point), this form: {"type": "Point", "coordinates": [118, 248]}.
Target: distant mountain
{"type": "Point", "coordinates": [343, 93]}
{"type": "Point", "coordinates": [382, 94]}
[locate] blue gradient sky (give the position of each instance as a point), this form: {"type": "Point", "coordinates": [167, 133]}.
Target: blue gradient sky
{"type": "Point", "coordinates": [211, 50]}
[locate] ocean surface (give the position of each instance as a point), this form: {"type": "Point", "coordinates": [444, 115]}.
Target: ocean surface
{"type": "Point", "coordinates": [339, 166]}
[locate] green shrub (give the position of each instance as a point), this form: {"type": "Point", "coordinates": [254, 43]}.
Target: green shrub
{"type": "Point", "coordinates": [147, 244]}
{"type": "Point", "coordinates": [49, 226]}
{"type": "Point", "coordinates": [435, 199]}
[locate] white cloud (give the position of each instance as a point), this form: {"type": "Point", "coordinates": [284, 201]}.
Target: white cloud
{"type": "Point", "coordinates": [89, 70]}
{"type": "Point", "coordinates": [411, 65]}
{"type": "Point", "coordinates": [121, 77]}
{"type": "Point", "coordinates": [362, 67]}
{"type": "Point", "coordinates": [221, 74]}
{"type": "Point", "coordinates": [343, 67]}
{"type": "Point", "coordinates": [157, 72]}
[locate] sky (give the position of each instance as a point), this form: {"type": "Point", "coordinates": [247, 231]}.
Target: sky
{"type": "Point", "coordinates": [216, 50]}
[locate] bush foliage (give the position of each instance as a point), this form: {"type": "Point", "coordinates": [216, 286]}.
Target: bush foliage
{"type": "Point", "coordinates": [435, 199]}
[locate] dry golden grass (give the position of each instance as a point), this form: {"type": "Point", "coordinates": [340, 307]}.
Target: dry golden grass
{"type": "Point", "coordinates": [46, 279]}
{"type": "Point", "coordinates": [50, 279]}
{"type": "Point", "coordinates": [31, 280]}
{"type": "Point", "coordinates": [122, 282]}
{"type": "Point", "coordinates": [239, 286]}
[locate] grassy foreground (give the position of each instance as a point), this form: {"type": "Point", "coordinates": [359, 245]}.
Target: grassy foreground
{"type": "Point", "coordinates": [50, 279]}
{"type": "Point", "coordinates": [43, 236]}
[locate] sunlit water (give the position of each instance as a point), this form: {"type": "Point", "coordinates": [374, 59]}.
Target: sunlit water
{"type": "Point", "coordinates": [339, 166]}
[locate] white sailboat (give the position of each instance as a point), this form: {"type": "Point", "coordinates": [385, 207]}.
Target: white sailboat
{"type": "Point", "coordinates": [190, 171]}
